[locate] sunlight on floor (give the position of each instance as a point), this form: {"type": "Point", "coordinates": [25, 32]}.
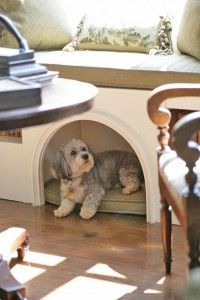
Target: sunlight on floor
{"type": "Point", "coordinates": [150, 246]}
{"type": "Point", "coordinates": [43, 258]}
{"type": "Point", "coordinates": [152, 291]}
{"type": "Point", "coordinates": [103, 269]}
{"type": "Point", "coordinates": [81, 287]}
{"type": "Point", "coordinates": [161, 281]}
{"type": "Point", "coordinates": [25, 273]}
{"type": "Point", "coordinates": [89, 289]}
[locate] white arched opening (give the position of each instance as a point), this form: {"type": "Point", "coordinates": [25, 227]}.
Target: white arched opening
{"type": "Point", "coordinates": [116, 125]}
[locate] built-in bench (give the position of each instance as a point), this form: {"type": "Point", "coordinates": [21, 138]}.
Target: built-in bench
{"type": "Point", "coordinates": [119, 115]}
{"type": "Point", "coordinates": [122, 77]}
{"type": "Point", "coordinates": [122, 70]}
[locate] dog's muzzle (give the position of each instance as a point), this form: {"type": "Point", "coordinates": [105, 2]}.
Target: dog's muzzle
{"type": "Point", "coordinates": [85, 156]}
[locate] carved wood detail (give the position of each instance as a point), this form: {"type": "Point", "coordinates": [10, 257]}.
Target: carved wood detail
{"type": "Point", "coordinates": [161, 116]}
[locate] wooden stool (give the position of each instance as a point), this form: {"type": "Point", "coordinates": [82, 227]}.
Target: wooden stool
{"type": "Point", "coordinates": [11, 240]}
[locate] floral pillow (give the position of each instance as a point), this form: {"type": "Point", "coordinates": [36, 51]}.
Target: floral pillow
{"type": "Point", "coordinates": [131, 27]}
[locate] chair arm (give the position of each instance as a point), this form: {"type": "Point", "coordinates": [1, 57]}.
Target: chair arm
{"type": "Point", "coordinates": [161, 116]}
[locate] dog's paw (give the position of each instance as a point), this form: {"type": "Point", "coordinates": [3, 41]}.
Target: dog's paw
{"type": "Point", "coordinates": [61, 212]}
{"type": "Point", "coordinates": [130, 188]}
{"type": "Point", "coordinates": [126, 191]}
{"type": "Point", "coordinates": [87, 212]}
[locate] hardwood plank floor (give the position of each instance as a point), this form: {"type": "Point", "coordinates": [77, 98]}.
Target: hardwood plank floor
{"type": "Point", "coordinates": [110, 257]}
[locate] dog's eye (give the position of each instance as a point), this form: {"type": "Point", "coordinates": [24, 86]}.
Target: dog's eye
{"type": "Point", "coordinates": [73, 152]}
{"type": "Point", "coordinates": [83, 149]}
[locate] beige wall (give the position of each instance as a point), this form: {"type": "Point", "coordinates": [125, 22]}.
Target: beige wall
{"type": "Point", "coordinates": [121, 113]}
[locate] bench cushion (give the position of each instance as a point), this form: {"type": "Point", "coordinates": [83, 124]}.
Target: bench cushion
{"type": "Point", "coordinates": [122, 69]}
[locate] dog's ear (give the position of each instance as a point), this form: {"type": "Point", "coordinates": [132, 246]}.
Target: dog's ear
{"type": "Point", "coordinates": [53, 170]}
{"type": "Point", "coordinates": [93, 154]}
{"type": "Point", "coordinates": [60, 168]}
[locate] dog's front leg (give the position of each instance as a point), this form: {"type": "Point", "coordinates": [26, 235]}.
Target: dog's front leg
{"type": "Point", "coordinates": [90, 205]}
{"type": "Point", "coordinates": [88, 210]}
{"type": "Point", "coordinates": [65, 208]}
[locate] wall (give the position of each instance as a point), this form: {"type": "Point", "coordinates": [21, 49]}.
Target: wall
{"type": "Point", "coordinates": [121, 110]}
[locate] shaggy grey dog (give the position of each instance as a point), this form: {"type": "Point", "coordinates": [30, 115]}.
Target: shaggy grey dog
{"type": "Point", "coordinates": [85, 176]}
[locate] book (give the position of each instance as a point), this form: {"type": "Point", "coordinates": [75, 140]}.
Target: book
{"type": "Point", "coordinates": [43, 79]}
{"type": "Point", "coordinates": [21, 68]}
{"type": "Point", "coordinates": [16, 93]}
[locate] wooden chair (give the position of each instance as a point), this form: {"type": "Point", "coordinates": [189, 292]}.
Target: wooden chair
{"type": "Point", "coordinates": [178, 170]}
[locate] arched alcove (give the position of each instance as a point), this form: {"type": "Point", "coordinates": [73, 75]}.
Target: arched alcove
{"type": "Point", "coordinates": [99, 137]}
{"type": "Point", "coordinates": [101, 134]}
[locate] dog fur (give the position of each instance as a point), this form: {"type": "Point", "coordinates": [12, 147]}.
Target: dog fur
{"type": "Point", "coordinates": [85, 176]}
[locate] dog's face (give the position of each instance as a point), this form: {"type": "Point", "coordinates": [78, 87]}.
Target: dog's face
{"type": "Point", "coordinates": [72, 160]}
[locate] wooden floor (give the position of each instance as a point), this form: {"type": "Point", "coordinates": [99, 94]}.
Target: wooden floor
{"type": "Point", "coordinates": [110, 257]}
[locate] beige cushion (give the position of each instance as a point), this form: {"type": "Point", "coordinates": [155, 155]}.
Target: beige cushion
{"type": "Point", "coordinates": [122, 69]}
{"type": "Point", "coordinates": [188, 40]}
{"type": "Point", "coordinates": [173, 171]}
{"type": "Point", "coordinates": [114, 200]}
{"type": "Point", "coordinates": [44, 23]}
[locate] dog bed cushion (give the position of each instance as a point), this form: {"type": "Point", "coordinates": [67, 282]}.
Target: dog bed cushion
{"type": "Point", "coordinates": [114, 200]}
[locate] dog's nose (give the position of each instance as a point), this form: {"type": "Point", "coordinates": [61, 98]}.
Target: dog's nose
{"type": "Point", "coordinates": [85, 156]}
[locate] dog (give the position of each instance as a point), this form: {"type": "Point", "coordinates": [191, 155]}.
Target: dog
{"type": "Point", "coordinates": [85, 176]}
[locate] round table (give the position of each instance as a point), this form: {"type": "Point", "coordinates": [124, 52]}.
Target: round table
{"type": "Point", "coordinates": [61, 99]}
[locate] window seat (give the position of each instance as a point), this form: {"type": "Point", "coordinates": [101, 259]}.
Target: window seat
{"type": "Point", "coordinates": [122, 69]}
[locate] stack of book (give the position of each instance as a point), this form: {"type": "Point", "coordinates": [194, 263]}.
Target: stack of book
{"type": "Point", "coordinates": [16, 93]}
{"type": "Point", "coordinates": [14, 62]}
{"type": "Point", "coordinates": [42, 79]}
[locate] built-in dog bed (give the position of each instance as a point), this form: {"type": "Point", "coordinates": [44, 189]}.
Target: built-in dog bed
{"type": "Point", "coordinates": [114, 201]}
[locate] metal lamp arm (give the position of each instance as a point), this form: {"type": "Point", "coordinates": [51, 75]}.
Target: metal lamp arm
{"type": "Point", "coordinates": [23, 45]}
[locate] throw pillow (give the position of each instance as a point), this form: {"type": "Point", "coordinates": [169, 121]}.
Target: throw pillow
{"type": "Point", "coordinates": [188, 40]}
{"type": "Point", "coordinates": [46, 24]}
{"type": "Point", "coordinates": [132, 27]}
